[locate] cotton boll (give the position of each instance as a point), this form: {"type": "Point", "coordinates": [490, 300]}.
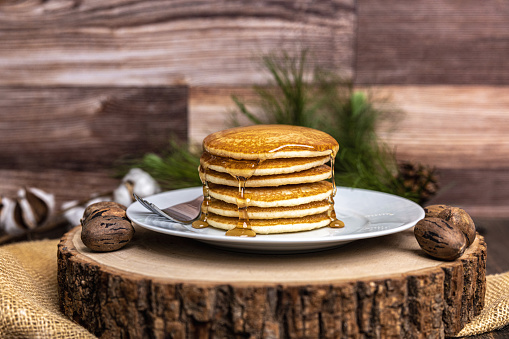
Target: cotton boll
{"type": "Point", "coordinates": [137, 181]}
{"type": "Point", "coordinates": [123, 195]}
{"type": "Point", "coordinates": [143, 184]}
{"type": "Point", "coordinates": [8, 222]}
{"type": "Point", "coordinates": [36, 207]}
{"type": "Point", "coordinates": [73, 212]}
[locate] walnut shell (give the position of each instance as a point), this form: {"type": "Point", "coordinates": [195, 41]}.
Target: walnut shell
{"type": "Point", "coordinates": [460, 219]}
{"type": "Point", "coordinates": [107, 233]}
{"type": "Point", "coordinates": [100, 205]}
{"type": "Point", "coordinates": [432, 211]}
{"type": "Point", "coordinates": [105, 226]}
{"type": "Point", "coordinates": [440, 239]}
{"type": "Point", "coordinates": [108, 211]}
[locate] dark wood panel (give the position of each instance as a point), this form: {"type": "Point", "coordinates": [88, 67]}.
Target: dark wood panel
{"type": "Point", "coordinates": [481, 192]}
{"type": "Point", "coordinates": [85, 128]}
{"type": "Point", "coordinates": [166, 42]}
{"type": "Point", "coordinates": [496, 233]}
{"type": "Point", "coordinates": [432, 42]}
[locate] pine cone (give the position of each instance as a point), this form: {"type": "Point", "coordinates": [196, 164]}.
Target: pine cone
{"type": "Point", "coordinates": [418, 179]}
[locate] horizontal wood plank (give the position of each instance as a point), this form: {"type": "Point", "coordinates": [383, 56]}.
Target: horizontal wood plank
{"type": "Point", "coordinates": [432, 42]}
{"type": "Point", "coordinates": [496, 233]}
{"type": "Point", "coordinates": [85, 128]}
{"type": "Point", "coordinates": [450, 126]}
{"type": "Point", "coordinates": [480, 192]}
{"type": "Point", "coordinates": [212, 109]}
{"type": "Point", "coordinates": [166, 42]}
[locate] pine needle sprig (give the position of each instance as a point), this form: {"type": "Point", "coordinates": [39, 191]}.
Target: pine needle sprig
{"type": "Point", "coordinates": [176, 167]}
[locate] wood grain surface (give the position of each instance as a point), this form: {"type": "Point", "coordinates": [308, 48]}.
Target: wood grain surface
{"type": "Point", "coordinates": [450, 126]}
{"type": "Point", "coordinates": [445, 126]}
{"type": "Point", "coordinates": [432, 42]}
{"type": "Point", "coordinates": [86, 128]}
{"type": "Point", "coordinates": [165, 42]}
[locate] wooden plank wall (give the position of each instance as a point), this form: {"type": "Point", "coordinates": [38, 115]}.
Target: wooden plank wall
{"type": "Point", "coordinates": [83, 83]}
{"type": "Point", "coordinates": [445, 64]}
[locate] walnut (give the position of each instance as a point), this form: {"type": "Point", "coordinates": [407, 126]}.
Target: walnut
{"type": "Point", "coordinates": [100, 205]}
{"type": "Point", "coordinates": [440, 238]}
{"type": "Point", "coordinates": [105, 227]}
{"type": "Point", "coordinates": [460, 219]}
{"type": "Point", "coordinates": [434, 210]}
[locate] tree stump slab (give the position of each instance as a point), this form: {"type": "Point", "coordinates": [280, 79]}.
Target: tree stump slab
{"type": "Point", "coordinates": [161, 286]}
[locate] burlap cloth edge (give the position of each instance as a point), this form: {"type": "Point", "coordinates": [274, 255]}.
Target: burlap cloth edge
{"type": "Point", "coordinates": [29, 297]}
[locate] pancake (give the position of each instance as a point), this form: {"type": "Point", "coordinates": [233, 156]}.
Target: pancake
{"type": "Point", "coordinates": [270, 142]}
{"type": "Point", "coordinates": [273, 226]}
{"type": "Point", "coordinates": [268, 179]}
{"type": "Point", "coordinates": [267, 167]}
{"type": "Point", "coordinates": [315, 174]}
{"type": "Point", "coordinates": [230, 210]}
{"type": "Point", "coordinates": [289, 195]}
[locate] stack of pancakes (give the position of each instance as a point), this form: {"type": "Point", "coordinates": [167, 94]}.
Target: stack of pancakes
{"type": "Point", "coordinates": [269, 178]}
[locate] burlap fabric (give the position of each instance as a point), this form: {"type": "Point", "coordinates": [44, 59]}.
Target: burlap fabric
{"type": "Point", "coordinates": [29, 301]}
{"type": "Point", "coordinates": [28, 293]}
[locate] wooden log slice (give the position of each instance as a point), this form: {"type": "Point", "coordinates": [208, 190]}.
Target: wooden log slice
{"type": "Point", "coordinates": [163, 286]}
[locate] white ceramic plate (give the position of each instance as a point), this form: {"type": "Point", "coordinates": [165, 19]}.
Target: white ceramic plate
{"type": "Point", "coordinates": [366, 214]}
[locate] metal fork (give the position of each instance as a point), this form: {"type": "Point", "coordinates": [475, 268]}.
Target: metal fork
{"type": "Point", "coordinates": [184, 213]}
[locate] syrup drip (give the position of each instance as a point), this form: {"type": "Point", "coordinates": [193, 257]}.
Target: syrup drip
{"type": "Point", "coordinates": [331, 213]}
{"type": "Point", "coordinates": [243, 228]}
{"type": "Point", "coordinates": [202, 222]}
{"type": "Point", "coordinates": [234, 168]}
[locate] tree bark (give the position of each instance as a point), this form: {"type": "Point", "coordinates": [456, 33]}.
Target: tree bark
{"type": "Point", "coordinates": [162, 286]}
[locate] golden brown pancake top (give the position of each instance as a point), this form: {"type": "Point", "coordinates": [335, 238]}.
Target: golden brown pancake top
{"type": "Point", "coordinates": [270, 142]}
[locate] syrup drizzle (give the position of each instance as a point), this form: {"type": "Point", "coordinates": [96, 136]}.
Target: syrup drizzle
{"type": "Point", "coordinates": [289, 145]}
{"type": "Point", "coordinates": [243, 228]}
{"type": "Point", "coordinates": [235, 168]}
{"type": "Point", "coordinates": [331, 213]}
{"type": "Point", "coordinates": [202, 222]}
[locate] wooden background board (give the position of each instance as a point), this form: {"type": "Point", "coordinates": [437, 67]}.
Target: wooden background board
{"type": "Point", "coordinates": [66, 67]}
{"type": "Point", "coordinates": [85, 128]}
{"type": "Point", "coordinates": [120, 43]}
{"type": "Point", "coordinates": [432, 42]}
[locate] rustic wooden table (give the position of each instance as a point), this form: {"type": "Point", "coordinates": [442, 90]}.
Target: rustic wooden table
{"type": "Point", "coordinates": [496, 234]}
